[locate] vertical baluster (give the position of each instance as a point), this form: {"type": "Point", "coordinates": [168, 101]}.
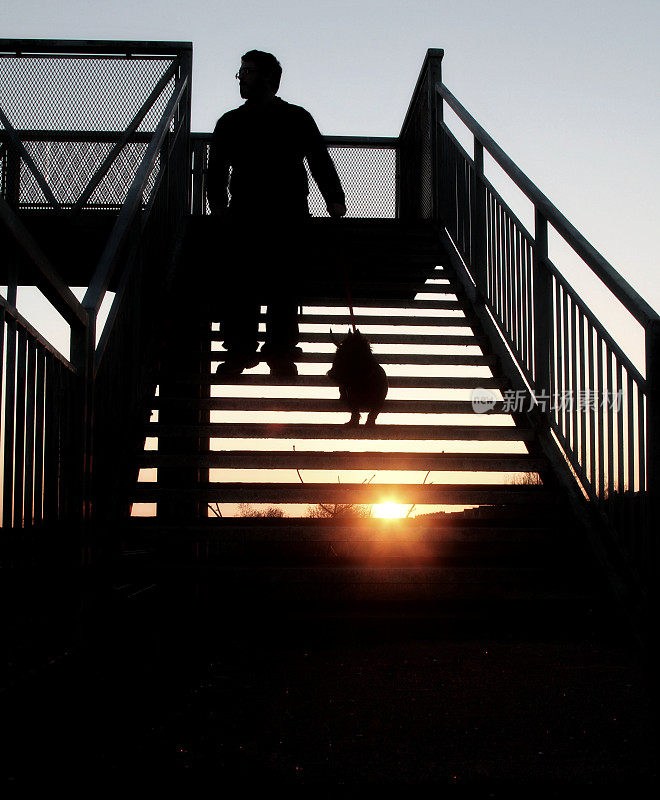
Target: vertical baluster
{"type": "Point", "coordinates": [610, 428]}
{"type": "Point", "coordinates": [51, 449]}
{"type": "Point", "coordinates": [524, 323]}
{"type": "Point", "coordinates": [519, 300]}
{"type": "Point", "coordinates": [592, 412]}
{"type": "Point", "coordinates": [566, 367]}
{"type": "Point", "coordinates": [506, 259]}
{"type": "Point", "coordinates": [555, 343]}
{"type": "Point", "coordinates": [467, 204]}
{"type": "Point", "coordinates": [516, 272]}
{"type": "Point", "coordinates": [620, 407]}
{"type": "Point", "coordinates": [574, 378]}
{"type": "Point", "coordinates": [529, 305]}
{"type": "Point", "coordinates": [498, 255]}
{"type": "Point", "coordinates": [478, 222]}
{"type": "Point", "coordinates": [10, 397]}
{"type": "Point", "coordinates": [559, 361]}
{"type": "Point", "coordinates": [583, 399]}
{"type": "Point", "coordinates": [641, 467]}
{"type": "Point", "coordinates": [632, 497]}
{"type": "Point", "coordinates": [458, 200]}
{"type": "Point", "coordinates": [505, 272]}
{"type": "Point", "coordinates": [497, 299]}
{"type": "Point", "coordinates": [2, 389]}
{"type": "Point", "coordinates": [466, 209]}
{"type": "Point", "coordinates": [491, 270]}
{"type": "Point", "coordinates": [19, 432]}
{"type": "Point", "coordinates": [39, 437]}
{"type": "Point", "coordinates": [28, 496]}
{"type": "Point", "coordinates": [600, 396]}
{"type": "Point", "coordinates": [514, 289]}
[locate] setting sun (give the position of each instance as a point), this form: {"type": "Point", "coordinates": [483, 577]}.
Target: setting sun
{"type": "Point", "coordinates": [390, 510]}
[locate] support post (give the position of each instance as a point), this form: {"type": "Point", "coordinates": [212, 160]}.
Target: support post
{"type": "Point", "coordinates": [434, 76]}
{"type": "Point", "coordinates": [653, 475]}
{"type": "Point", "coordinates": [417, 187]}
{"type": "Point", "coordinates": [478, 222]}
{"type": "Point", "coordinates": [198, 177]}
{"type": "Point", "coordinates": [83, 347]}
{"type": "Point", "coordinates": [542, 308]}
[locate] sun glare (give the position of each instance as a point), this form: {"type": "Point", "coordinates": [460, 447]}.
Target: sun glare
{"type": "Point", "coordinates": [390, 510]}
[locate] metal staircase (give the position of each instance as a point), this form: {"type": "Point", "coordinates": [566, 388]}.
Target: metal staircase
{"type": "Point", "coordinates": [534, 527]}
{"type": "Point", "coordinates": [262, 441]}
{"type": "Point", "coordinates": [451, 288]}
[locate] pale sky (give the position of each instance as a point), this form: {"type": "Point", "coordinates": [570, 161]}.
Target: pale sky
{"type": "Point", "coordinates": [569, 88]}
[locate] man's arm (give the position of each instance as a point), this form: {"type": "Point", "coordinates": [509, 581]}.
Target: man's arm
{"type": "Point", "coordinates": [217, 174]}
{"type": "Point", "coordinates": [323, 169]}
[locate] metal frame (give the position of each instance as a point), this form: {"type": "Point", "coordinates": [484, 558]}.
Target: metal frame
{"type": "Point", "coordinates": [60, 417]}
{"type": "Point", "coordinates": [548, 341]}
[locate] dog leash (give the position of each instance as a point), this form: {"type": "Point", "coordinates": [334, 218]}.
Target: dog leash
{"type": "Point", "coordinates": [347, 284]}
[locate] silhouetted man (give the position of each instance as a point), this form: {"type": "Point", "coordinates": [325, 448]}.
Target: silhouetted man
{"type": "Point", "coordinates": [264, 142]}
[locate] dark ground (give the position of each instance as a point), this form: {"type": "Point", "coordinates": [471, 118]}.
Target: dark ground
{"type": "Point", "coordinates": [181, 699]}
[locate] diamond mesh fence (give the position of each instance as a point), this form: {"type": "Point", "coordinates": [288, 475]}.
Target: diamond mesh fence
{"type": "Point", "coordinates": [80, 93]}
{"type": "Point", "coordinates": [368, 176]}
{"type": "Point", "coordinates": [69, 111]}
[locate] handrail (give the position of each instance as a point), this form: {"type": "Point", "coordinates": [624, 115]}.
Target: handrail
{"type": "Point", "coordinates": [331, 141]}
{"type": "Point", "coordinates": [50, 282]}
{"type": "Point", "coordinates": [88, 47]}
{"type": "Point", "coordinates": [30, 135]}
{"type": "Point", "coordinates": [597, 325]}
{"type": "Point", "coordinates": [15, 314]}
{"type": "Point", "coordinates": [604, 443]}
{"type": "Point", "coordinates": [623, 291]}
{"type": "Point", "coordinates": [101, 279]}
{"type": "Point", "coordinates": [359, 150]}
{"type": "Point", "coordinates": [114, 310]}
{"type": "Point", "coordinates": [430, 53]}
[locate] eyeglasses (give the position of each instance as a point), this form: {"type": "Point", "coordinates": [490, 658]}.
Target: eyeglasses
{"type": "Point", "coordinates": [244, 71]}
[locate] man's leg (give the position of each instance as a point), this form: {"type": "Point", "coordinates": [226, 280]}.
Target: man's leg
{"type": "Point", "coordinates": [282, 332]}
{"type": "Point", "coordinates": [239, 328]}
{"type": "Point", "coordinates": [239, 317]}
{"type": "Point", "coordinates": [282, 335]}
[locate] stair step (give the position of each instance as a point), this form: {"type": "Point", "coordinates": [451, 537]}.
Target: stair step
{"type": "Point", "coordinates": [382, 585]}
{"type": "Point", "coordinates": [395, 381]}
{"type": "Point", "coordinates": [294, 530]}
{"type": "Point", "coordinates": [419, 359]}
{"type": "Point", "coordinates": [432, 494]}
{"type": "Point", "coordinates": [325, 337]}
{"type": "Point", "coordinates": [320, 405]}
{"type": "Point", "coordinates": [320, 301]}
{"type": "Point", "coordinates": [381, 319]}
{"type": "Point", "coordinates": [376, 288]}
{"type": "Point", "coordinates": [269, 430]}
{"type": "Point", "coordinates": [272, 459]}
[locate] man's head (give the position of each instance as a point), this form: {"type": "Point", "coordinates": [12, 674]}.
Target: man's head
{"type": "Point", "coordinates": [259, 75]}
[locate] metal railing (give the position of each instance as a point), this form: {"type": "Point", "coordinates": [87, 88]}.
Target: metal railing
{"type": "Point", "coordinates": [69, 427]}
{"type": "Point", "coordinates": [61, 153]}
{"type": "Point", "coordinates": [603, 414]}
{"type": "Point", "coordinates": [367, 166]}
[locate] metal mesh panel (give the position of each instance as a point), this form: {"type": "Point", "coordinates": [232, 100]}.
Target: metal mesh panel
{"type": "Point", "coordinates": [368, 177]}
{"type": "Point", "coordinates": [417, 167]}
{"type": "Point", "coordinates": [82, 97]}
{"type": "Point", "coordinates": [80, 93]}
{"type": "Point", "coordinates": [68, 166]}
